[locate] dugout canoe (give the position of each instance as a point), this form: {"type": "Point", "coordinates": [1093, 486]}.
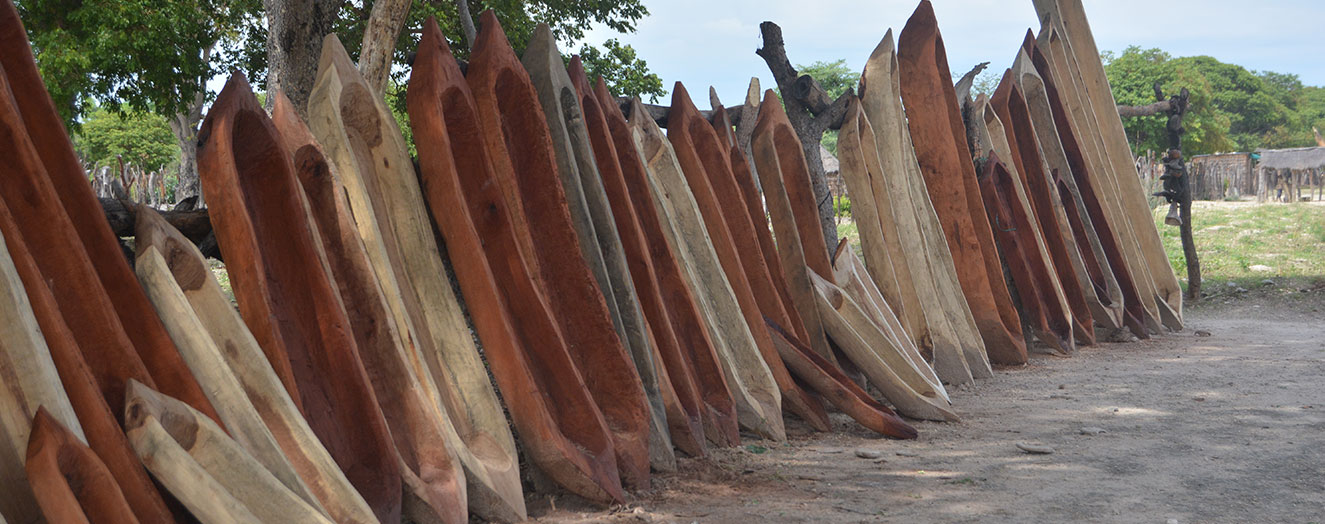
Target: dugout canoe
{"type": "Point", "coordinates": [573, 447]}
{"type": "Point", "coordinates": [614, 330]}
{"type": "Point", "coordinates": [1097, 187]}
{"type": "Point", "coordinates": [387, 206]}
{"type": "Point", "coordinates": [938, 136]}
{"type": "Point", "coordinates": [850, 274]}
{"type": "Point", "coordinates": [697, 150]}
{"type": "Point", "coordinates": [875, 355]}
{"type": "Point", "coordinates": [704, 403]}
{"type": "Point", "coordinates": [285, 294]}
{"type": "Point", "coordinates": [640, 267]}
{"type": "Point", "coordinates": [881, 245]}
{"type": "Point", "coordinates": [837, 388]}
{"type": "Point", "coordinates": [758, 296]}
{"type": "Point", "coordinates": [786, 181]}
{"type": "Point", "coordinates": [957, 353]}
{"type": "Point", "coordinates": [203, 468]}
{"type": "Point", "coordinates": [71, 484]}
{"type": "Point", "coordinates": [66, 176]}
{"type": "Point", "coordinates": [1103, 295]}
{"type": "Point", "coordinates": [1081, 58]}
{"type": "Point", "coordinates": [244, 360]}
{"type": "Point", "coordinates": [702, 276]}
{"type": "Point", "coordinates": [430, 472]}
{"type": "Point", "coordinates": [31, 387]}
{"type": "Point", "coordinates": [1042, 304]}
{"type": "Point", "coordinates": [99, 424]}
{"type": "Point", "coordinates": [669, 306]}
{"type": "Point", "coordinates": [1012, 135]}
{"type": "Point", "coordinates": [742, 170]}
{"type": "Point", "coordinates": [200, 352]}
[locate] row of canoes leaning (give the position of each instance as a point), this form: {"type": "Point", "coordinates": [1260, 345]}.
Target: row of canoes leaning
{"type": "Point", "coordinates": [628, 292]}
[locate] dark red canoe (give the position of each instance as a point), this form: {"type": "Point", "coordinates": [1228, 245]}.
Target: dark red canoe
{"type": "Point", "coordinates": [278, 273]}
{"type": "Point", "coordinates": [499, 133]}
{"type": "Point", "coordinates": [71, 483]}
{"type": "Point", "coordinates": [133, 313]}
{"type": "Point", "coordinates": [945, 161]}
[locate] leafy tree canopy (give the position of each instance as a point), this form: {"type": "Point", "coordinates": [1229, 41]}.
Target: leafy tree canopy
{"type": "Point", "coordinates": [1232, 108]}
{"type": "Point", "coordinates": [140, 55]}
{"type": "Point", "coordinates": [139, 138]}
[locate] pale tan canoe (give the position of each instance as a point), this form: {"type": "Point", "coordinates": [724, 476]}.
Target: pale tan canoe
{"type": "Point", "coordinates": [748, 377]}
{"type": "Point", "coordinates": [200, 352]}
{"type": "Point", "coordinates": [886, 365]}
{"type": "Point", "coordinates": [958, 353]}
{"type": "Point", "coordinates": [1082, 59]}
{"type": "Point", "coordinates": [30, 382]}
{"type": "Point", "coordinates": [433, 480]}
{"type": "Point", "coordinates": [360, 138]}
{"type": "Point", "coordinates": [880, 242]}
{"type": "Point", "coordinates": [592, 213]}
{"type": "Point", "coordinates": [203, 468]}
{"type": "Point", "coordinates": [242, 358]}
{"type": "Point", "coordinates": [850, 275]}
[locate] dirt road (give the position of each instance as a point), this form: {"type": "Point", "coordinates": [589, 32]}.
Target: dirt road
{"type": "Point", "coordinates": [1228, 427]}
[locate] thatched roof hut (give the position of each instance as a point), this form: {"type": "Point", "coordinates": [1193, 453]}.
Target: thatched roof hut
{"type": "Point", "coordinates": [1296, 158]}
{"type": "Point", "coordinates": [1284, 173]}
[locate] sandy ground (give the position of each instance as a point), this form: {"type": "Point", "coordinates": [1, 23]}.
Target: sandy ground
{"type": "Point", "coordinates": [1224, 427]}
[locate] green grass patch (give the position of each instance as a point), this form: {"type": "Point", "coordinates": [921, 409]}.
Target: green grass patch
{"type": "Point", "coordinates": [1246, 243]}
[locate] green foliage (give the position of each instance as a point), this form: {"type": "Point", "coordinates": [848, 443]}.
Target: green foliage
{"type": "Point", "coordinates": [985, 83]}
{"type": "Point", "coordinates": [835, 77]}
{"type": "Point", "coordinates": [624, 73]}
{"type": "Point", "coordinates": [1232, 237]}
{"type": "Point", "coordinates": [1232, 108]}
{"type": "Point", "coordinates": [148, 55]}
{"type": "Point", "coordinates": [140, 138]}
{"type": "Point", "coordinates": [567, 19]}
{"type": "Point", "coordinates": [842, 206]}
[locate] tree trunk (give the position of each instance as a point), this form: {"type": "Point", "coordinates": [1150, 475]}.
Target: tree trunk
{"type": "Point", "coordinates": [1189, 248]}
{"type": "Point", "coordinates": [379, 41]}
{"type": "Point", "coordinates": [811, 113]}
{"type": "Point", "coordinates": [466, 22]}
{"type": "Point", "coordinates": [184, 125]}
{"type": "Point", "coordinates": [295, 29]}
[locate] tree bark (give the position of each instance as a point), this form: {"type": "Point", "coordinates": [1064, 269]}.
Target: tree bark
{"type": "Point", "coordinates": [811, 113]}
{"type": "Point", "coordinates": [184, 125]}
{"type": "Point", "coordinates": [379, 41]}
{"type": "Point", "coordinates": [1156, 108]}
{"type": "Point", "coordinates": [466, 22]}
{"type": "Point", "coordinates": [295, 29]}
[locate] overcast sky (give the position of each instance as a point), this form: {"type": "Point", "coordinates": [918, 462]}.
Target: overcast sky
{"type": "Point", "coordinates": [712, 42]}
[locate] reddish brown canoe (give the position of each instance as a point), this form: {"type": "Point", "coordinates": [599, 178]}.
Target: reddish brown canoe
{"type": "Point", "coordinates": [99, 425]}
{"type": "Point", "coordinates": [434, 483]}
{"type": "Point", "coordinates": [1031, 274]}
{"type": "Point", "coordinates": [278, 273]}
{"type": "Point", "coordinates": [758, 277]}
{"type": "Point", "coordinates": [707, 168]}
{"type": "Point", "coordinates": [132, 311]}
{"type": "Point", "coordinates": [567, 437]}
{"type": "Point", "coordinates": [1010, 106]}
{"type": "Point", "coordinates": [673, 250]}
{"type": "Point", "coordinates": [940, 145]}
{"type": "Point", "coordinates": [606, 295]}
{"type": "Point", "coordinates": [838, 388]}
{"type": "Point", "coordinates": [72, 485]}
{"type": "Point", "coordinates": [1110, 308]}
{"type": "Point", "coordinates": [611, 166]}
{"type": "Point", "coordinates": [745, 180]}
{"type": "Point", "coordinates": [702, 389]}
